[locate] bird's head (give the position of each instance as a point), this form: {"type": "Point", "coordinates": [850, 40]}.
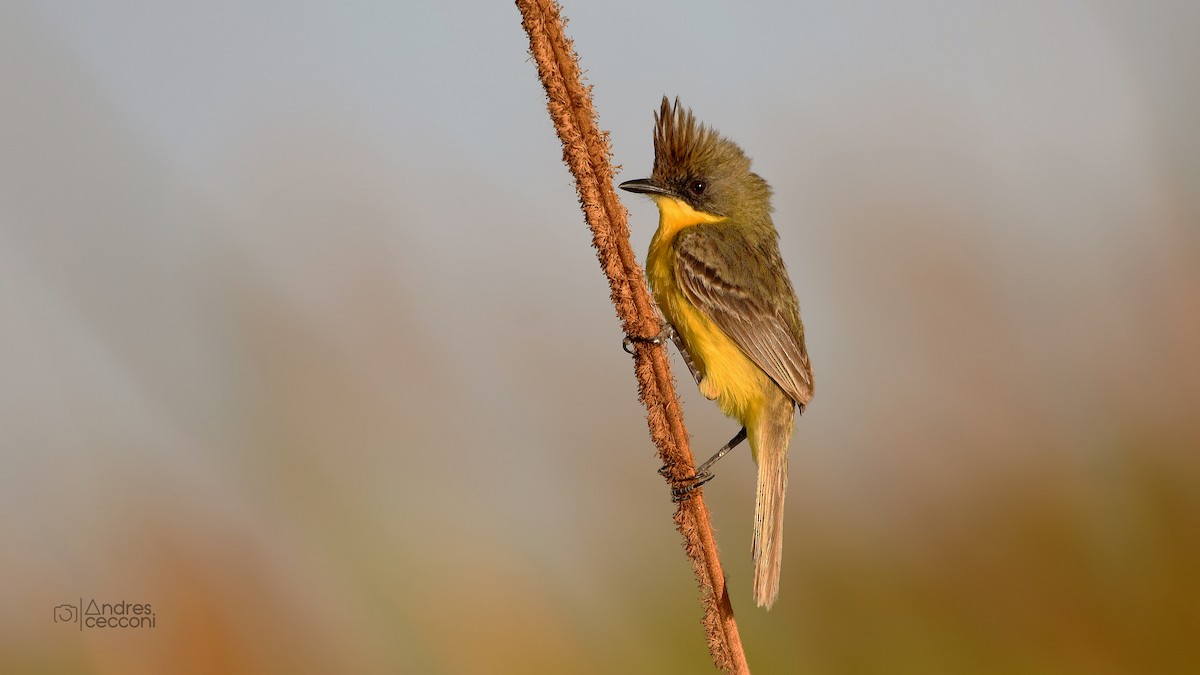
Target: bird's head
{"type": "Point", "coordinates": [697, 166]}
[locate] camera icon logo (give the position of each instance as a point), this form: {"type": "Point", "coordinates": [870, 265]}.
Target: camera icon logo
{"type": "Point", "coordinates": [66, 614]}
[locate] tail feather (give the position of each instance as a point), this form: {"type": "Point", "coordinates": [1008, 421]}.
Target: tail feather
{"type": "Point", "coordinates": [771, 448]}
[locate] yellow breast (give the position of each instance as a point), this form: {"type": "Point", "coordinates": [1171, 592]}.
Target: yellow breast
{"type": "Point", "coordinates": [728, 375]}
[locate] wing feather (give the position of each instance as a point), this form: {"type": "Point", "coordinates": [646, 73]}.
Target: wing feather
{"type": "Point", "coordinates": [722, 276]}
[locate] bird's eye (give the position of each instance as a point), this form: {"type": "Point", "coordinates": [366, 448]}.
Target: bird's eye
{"type": "Point", "coordinates": [696, 187]}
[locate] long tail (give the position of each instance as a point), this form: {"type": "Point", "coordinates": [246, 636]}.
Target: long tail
{"type": "Point", "coordinates": [770, 440]}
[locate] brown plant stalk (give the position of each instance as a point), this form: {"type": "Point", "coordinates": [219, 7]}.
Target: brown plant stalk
{"type": "Point", "coordinates": [586, 152]}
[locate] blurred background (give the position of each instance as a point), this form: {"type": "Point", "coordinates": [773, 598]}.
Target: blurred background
{"type": "Point", "coordinates": [302, 341]}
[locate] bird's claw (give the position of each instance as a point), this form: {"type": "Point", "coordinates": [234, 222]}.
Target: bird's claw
{"type": "Point", "coordinates": [683, 492]}
{"type": "Point", "coordinates": [630, 340]}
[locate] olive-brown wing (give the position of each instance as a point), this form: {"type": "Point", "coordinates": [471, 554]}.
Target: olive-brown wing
{"type": "Point", "coordinates": [743, 288]}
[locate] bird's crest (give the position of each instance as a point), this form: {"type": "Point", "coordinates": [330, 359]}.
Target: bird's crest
{"type": "Point", "coordinates": [680, 141]}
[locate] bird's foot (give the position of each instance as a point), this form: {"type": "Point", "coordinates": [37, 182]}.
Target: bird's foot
{"type": "Point", "coordinates": [683, 491]}
{"type": "Point", "coordinates": [630, 340]}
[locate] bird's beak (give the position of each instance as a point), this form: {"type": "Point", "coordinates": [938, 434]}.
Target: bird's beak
{"type": "Point", "coordinates": [645, 186]}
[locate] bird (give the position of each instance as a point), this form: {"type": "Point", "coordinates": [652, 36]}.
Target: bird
{"type": "Point", "coordinates": [720, 283]}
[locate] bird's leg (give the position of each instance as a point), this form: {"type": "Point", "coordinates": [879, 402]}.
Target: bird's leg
{"type": "Point", "coordinates": [733, 443]}
{"type": "Point", "coordinates": [687, 357]}
{"type": "Point", "coordinates": [668, 333]}
{"type": "Point", "coordinates": [702, 474]}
